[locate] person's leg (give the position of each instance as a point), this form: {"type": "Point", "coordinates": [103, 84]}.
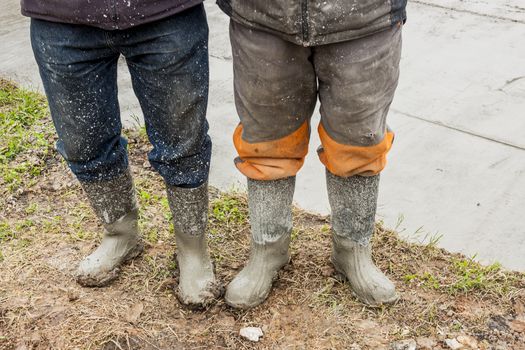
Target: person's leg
{"type": "Point", "coordinates": [79, 72]}
{"type": "Point", "coordinates": [357, 81]}
{"type": "Point", "coordinates": [168, 62]}
{"type": "Point", "coordinates": [275, 94]}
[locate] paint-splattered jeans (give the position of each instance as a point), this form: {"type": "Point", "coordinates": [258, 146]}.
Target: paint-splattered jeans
{"type": "Point", "coordinates": [168, 63]}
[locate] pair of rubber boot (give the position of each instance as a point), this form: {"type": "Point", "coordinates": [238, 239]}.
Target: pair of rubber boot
{"type": "Point", "coordinates": [353, 201]}
{"type": "Point", "coordinates": [115, 205]}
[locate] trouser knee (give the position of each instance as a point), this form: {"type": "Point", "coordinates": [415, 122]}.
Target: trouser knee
{"type": "Point", "coordinates": [348, 160]}
{"type": "Point", "coordinates": [272, 160]}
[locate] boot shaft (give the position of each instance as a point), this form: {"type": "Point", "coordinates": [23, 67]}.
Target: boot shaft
{"type": "Point", "coordinates": [353, 201]}
{"type": "Point", "coordinates": [270, 208]}
{"type": "Point", "coordinates": [197, 284]}
{"type": "Point", "coordinates": [189, 207]}
{"type": "Point", "coordinates": [113, 200]}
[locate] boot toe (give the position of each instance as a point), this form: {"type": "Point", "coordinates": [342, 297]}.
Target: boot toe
{"type": "Point", "coordinates": [199, 295]}
{"type": "Point", "coordinates": [245, 292]}
{"type": "Point", "coordinates": [367, 282]}
{"type": "Point", "coordinates": [241, 300]}
{"type": "Point", "coordinates": [237, 295]}
{"type": "Point", "coordinates": [89, 275]}
{"type": "Point", "coordinates": [377, 291]}
{"type": "Point", "coordinates": [379, 297]}
{"type": "Point", "coordinates": [97, 270]}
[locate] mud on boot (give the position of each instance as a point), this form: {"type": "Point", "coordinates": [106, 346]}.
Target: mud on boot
{"type": "Point", "coordinates": [114, 204]}
{"type": "Point", "coordinates": [197, 286]}
{"type": "Point", "coordinates": [253, 284]}
{"type": "Point", "coordinates": [354, 262]}
{"type": "Point", "coordinates": [353, 201]}
{"type": "Point", "coordinates": [270, 206]}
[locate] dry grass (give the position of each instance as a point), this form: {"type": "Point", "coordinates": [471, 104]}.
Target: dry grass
{"type": "Point", "coordinates": [46, 227]}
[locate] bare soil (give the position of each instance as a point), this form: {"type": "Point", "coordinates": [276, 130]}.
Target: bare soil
{"type": "Point", "coordinates": [46, 227]}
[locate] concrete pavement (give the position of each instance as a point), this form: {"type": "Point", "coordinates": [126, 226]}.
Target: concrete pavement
{"type": "Point", "coordinates": [457, 169]}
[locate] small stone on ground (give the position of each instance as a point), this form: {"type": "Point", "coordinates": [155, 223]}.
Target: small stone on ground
{"type": "Point", "coordinates": [453, 344]}
{"type": "Point", "coordinates": [426, 343]}
{"type": "Point", "coordinates": [409, 344]}
{"type": "Point", "coordinates": [251, 333]}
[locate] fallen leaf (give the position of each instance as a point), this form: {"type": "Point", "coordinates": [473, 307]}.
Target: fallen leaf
{"type": "Point", "coordinates": [517, 325]}
{"type": "Point", "coordinates": [367, 325]}
{"type": "Point", "coordinates": [17, 303]}
{"type": "Point", "coordinates": [21, 346]}
{"type": "Point", "coordinates": [468, 341]}
{"type": "Point", "coordinates": [133, 314]}
{"type": "Point", "coordinates": [72, 295]}
{"type": "Point", "coordinates": [426, 343]}
{"type": "Point", "coordinates": [519, 308]}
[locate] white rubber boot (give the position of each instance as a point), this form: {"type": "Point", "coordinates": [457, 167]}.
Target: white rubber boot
{"type": "Point", "coordinates": [270, 205]}
{"type": "Point", "coordinates": [197, 284]}
{"type": "Point", "coordinates": [114, 203]}
{"type": "Point", "coordinates": [353, 201]}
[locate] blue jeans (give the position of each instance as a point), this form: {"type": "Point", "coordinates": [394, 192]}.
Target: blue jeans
{"type": "Point", "coordinates": [168, 63]}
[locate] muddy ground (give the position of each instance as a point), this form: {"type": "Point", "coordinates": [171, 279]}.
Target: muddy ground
{"type": "Point", "coordinates": [447, 300]}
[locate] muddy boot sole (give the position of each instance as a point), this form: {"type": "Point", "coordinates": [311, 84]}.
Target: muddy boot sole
{"type": "Point", "coordinates": [213, 292]}
{"type": "Point", "coordinates": [110, 276]}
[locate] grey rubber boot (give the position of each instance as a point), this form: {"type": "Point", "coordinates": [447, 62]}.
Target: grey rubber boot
{"type": "Point", "coordinates": [353, 201]}
{"type": "Point", "coordinates": [115, 205]}
{"type": "Point", "coordinates": [270, 206]}
{"type": "Point", "coordinates": [197, 284]}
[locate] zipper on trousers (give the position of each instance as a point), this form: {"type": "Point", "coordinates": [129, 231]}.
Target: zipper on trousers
{"type": "Point", "coordinates": [304, 19]}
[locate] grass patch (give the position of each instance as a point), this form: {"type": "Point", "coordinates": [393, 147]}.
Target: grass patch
{"type": "Point", "coordinates": [27, 135]}
{"type": "Point", "coordinates": [228, 209]}
{"type": "Point", "coordinates": [6, 233]}
{"type": "Point", "coordinates": [462, 276]}
{"type": "Point", "coordinates": [471, 276]}
{"type": "Point", "coordinates": [426, 279]}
